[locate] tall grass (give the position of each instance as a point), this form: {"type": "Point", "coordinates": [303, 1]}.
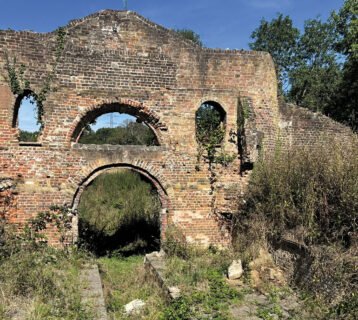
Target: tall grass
{"type": "Point", "coordinates": [312, 196]}
{"type": "Point", "coordinates": [312, 193]}
{"type": "Point", "coordinates": [39, 282]}
{"type": "Point", "coordinates": [124, 280]}
{"type": "Point", "coordinates": [120, 211]}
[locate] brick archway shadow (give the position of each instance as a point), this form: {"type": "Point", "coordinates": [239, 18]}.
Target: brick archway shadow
{"type": "Point", "coordinates": [127, 106]}
{"type": "Point", "coordinates": [162, 193]}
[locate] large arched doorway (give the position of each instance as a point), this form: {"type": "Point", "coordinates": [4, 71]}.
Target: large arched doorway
{"type": "Point", "coordinates": [122, 210]}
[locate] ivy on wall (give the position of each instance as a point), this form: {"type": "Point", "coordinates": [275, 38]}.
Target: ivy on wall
{"type": "Point", "coordinates": [21, 87]}
{"type": "Point", "coordinates": [210, 133]}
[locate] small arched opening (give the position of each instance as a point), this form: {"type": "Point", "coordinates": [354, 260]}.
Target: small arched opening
{"type": "Point", "coordinates": [117, 124]}
{"type": "Point", "coordinates": [210, 121]}
{"type": "Point", "coordinates": [27, 117]}
{"type": "Point", "coordinates": [121, 211]}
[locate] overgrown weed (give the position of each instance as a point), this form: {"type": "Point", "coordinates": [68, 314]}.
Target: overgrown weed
{"type": "Point", "coordinates": [124, 280]}
{"type": "Point", "coordinates": [200, 275]}
{"type": "Point", "coordinates": [312, 196]}
{"type": "Point", "coordinates": [37, 281]}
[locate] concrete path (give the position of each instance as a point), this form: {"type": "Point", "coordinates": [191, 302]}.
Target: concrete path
{"type": "Point", "coordinates": [93, 294]}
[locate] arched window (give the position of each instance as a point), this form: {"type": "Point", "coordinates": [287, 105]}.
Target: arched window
{"type": "Point", "coordinates": [26, 118]}
{"type": "Point", "coordinates": [117, 129]}
{"type": "Point", "coordinates": [210, 123]}
{"type": "Point", "coordinates": [117, 124]}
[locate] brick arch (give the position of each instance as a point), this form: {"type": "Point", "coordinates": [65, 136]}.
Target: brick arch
{"type": "Point", "coordinates": [219, 108]}
{"type": "Point", "coordinates": [145, 170]}
{"type": "Point", "coordinates": [214, 99]}
{"type": "Point", "coordinates": [216, 103]}
{"type": "Point", "coordinates": [131, 107]}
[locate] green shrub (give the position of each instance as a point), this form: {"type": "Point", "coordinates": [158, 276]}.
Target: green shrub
{"type": "Point", "coordinates": [26, 136]}
{"type": "Point", "coordinates": [175, 244]}
{"type": "Point", "coordinates": [209, 303]}
{"type": "Point", "coordinates": [47, 278]}
{"type": "Point", "coordinates": [200, 275]}
{"type": "Point", "coordinates": [313, 196]}
{"type": "Point", "coordinates": [315, 192]}
{"type": "Point", "coordinates": [39, 282]}
{"type": "Point", "coordinates": [209, 129]}
{"type": "Point", "coordinates": [209, 120]}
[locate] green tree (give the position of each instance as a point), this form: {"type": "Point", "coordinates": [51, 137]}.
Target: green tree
{"type": "Point", "coordinates": [278, 37]}
{"type": "Point", "coordinates": [131, 133]}
{"type": "Point", "coordinates": [209, 125]}
{"type": "Point", "coordinates": [318, 68]}
{"type": "Point", "coordinates": [315, 73]}
{"type": "Point", "coordinates": [346, 23]}
{"type": "Point", "coordinates": [345, 106]}
{"type": "Point", "coordinates": [190, 35]}
{"type": "Point", "coordinates": [210, 132]}
{"type": "Point", "coordinates": [27, 136]}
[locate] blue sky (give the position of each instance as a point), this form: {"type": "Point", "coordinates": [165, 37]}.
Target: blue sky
{"type": "Point", "coordinates": [220, 23]}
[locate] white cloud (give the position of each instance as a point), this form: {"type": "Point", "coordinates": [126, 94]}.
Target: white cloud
{"type": "Point", "coordinates": [270, 4]}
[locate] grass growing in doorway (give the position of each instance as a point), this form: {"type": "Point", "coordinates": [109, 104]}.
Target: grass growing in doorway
{"type": "Point", "coordinates": [119, 214]}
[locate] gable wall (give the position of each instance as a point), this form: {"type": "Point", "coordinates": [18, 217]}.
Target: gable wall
{"type": "Point", "coordinates": [114, 57]}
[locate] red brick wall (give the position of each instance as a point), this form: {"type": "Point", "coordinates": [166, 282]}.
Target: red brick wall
{"type": "Point", "coordinates": [115, 60]}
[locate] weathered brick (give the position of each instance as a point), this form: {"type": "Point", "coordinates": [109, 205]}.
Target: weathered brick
{"type": "Point", "coordinates": [119, 61]}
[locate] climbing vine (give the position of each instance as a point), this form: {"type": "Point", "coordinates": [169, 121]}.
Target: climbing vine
{"type": "Point", "coordinates": [210, 134]}
{"type": "Point", "coordinates": [16, 77]}
{"type": "Point", "coordinates": [60, 217]}
{"type": "Point", "coordinates": [20, 86]}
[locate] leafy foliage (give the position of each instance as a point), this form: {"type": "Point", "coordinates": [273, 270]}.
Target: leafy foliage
{"type": "Point", "coordinates": [21, 86]}
{"type": "Point", "coordinates": [15, 77]}
{"type": "Point", "coordinates": [209, 125]}
{"type": "Point", "coordinates": [279, 37]}
{"type": "Point", "coordinates": [119, 211]}
{"type": "Point", "coordinates": [131, 133]}
{"type": "Point", "coordinates": [316, 191]}
{"type": "Point", "coordinates": [27, 136]}
{"type": "Point", "coordinates": [344, 107]}
{"type": "Point", "coordinates": [31, 236]}
{"type": "Point", "coordinates": [346, 23]}
{"type": "Point", "coordinates": [190, 35]}
{"type": "Point", "coordinates": [209, 128]}
{"type": "Point", "coordinates": [46, 281]}
{"type": "Point", "coordinates": [309, 65]}
{"type": "Point", "coordinates": [316, 72]}
{"type": "Point", "coordinates": [200, 276]}
{"type": "Point", "coordinates": [39, 282]}
{"type": "Point", "coordinates": [313, 197]}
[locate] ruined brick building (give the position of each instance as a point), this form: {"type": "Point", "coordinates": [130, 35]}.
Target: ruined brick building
{"type": "Point", "coordinates": [119, 61]}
